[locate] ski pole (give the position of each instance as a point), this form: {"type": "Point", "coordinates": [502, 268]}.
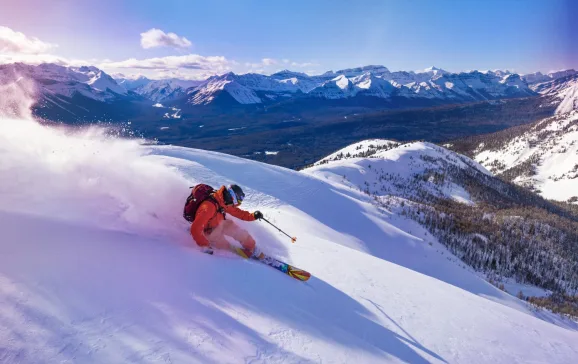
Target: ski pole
{"type": "Point", "coordinates": [293, 239]}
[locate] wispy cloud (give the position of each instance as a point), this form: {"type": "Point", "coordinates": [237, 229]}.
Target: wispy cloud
{"type": "Point", "coordinates": [189, 61]}
{"type": "Point", "coordinates": [272, 65]}
{"type": "Point", "coordinates": [269, 61]}
{"type": "Point", "coordinates": [153, 38]}
{"type": "Point", "coordinates": [191, 66]}
{"type": "Point", "coordinates": [16, 42]}
{"type": "Point", "coordinates": [304, 65]}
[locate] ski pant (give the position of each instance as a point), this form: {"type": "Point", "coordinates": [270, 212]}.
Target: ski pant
{"type": "Point", "coordinates": [229, 228]}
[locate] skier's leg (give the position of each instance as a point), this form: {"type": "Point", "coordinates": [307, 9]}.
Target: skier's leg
{"type": "Point", "coordinates": [217, 238]}
{"type": "Point", "coordinates": [241, 235]}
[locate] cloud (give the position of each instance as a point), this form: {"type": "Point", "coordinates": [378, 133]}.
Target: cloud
{"type": "Point", "coordinates": [191, 66]}
{"type": "Point", "coordinates": [157, 38]}
{"type": "Point", "coordinates": [304, 65]}
{"type": "Point", "coordinates": [36, 59]}
{"type": "Point", "coordinates": [268, 61]}
{"type": "Point", "coordinates": [189, 61]}
{"type": "Point", "coordinates": [16, 42]}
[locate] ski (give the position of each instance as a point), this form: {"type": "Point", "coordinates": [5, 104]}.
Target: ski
{"type": "Point", "coordinates": [288, 269]}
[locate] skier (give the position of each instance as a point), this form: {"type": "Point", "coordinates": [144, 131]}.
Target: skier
{"type": "Point", "coordinates": [207, 209]}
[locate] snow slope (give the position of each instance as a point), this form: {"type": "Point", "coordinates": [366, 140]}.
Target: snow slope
{"type": "Point", "coordinates": [548, 149]}
{"type": "Point", "coordinates": [96, 266]}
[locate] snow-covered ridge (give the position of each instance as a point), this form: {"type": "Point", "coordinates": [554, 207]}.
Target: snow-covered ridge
{"type": "Point", "coordinates": [364, 149]}
{"type": "Point", "coordinates": [562, 90]}
{"type": "Point", "coordinates": [365, 163]}
{"type": "Point", "coordinates": [543, 157]}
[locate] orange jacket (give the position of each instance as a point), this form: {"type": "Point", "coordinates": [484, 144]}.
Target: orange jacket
{"type": "Point", "coordinates": [208, 217]}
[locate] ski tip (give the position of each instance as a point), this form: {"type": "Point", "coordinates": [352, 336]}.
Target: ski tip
{"type": "Point", "coordinates": [299, 274]}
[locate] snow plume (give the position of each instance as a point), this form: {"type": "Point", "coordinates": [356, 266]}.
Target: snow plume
{"type": "Point", "coordinates": [84, 175]}
{"type": "Point", "coordinates": [17, 96]}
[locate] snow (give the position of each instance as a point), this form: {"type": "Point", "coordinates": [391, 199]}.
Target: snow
{"type": "Point", "coordinates": [96, 265]}
{"type": "Point", "coordinates": [271, 152]}
{"type": "Point", "coordinates": [158, 105]}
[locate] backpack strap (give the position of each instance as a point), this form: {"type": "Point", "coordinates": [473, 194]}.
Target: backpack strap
{"type": "Point", "coordinates": [220, 209]}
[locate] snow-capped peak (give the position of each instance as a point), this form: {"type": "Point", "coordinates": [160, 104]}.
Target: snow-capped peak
{"type": "Point", "coordinates": [166, 89]}
{"type": "Point", "coordinates": [341, 81]}
{"type": "Point", "coordinates": [433, 70]}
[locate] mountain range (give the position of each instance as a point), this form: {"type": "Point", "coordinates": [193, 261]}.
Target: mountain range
{"type": "Point", "coordinates": [370, 86]}
{"type": "Point", "coordinates": [433, 84]}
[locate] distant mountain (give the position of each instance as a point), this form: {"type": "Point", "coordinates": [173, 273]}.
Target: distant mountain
{"type": "Point", "coordinates": [164, 90]}
{"type": "Point", "coordinates": [157, 90]}
{"type": "Point", "coordinates": [433, 84]}
{"type": "Point", "coordinates": [539, 77]}
{"type": "Point", "coordinates": [363, 88]}
{"type": "Point", "coordinates": [130, 84]}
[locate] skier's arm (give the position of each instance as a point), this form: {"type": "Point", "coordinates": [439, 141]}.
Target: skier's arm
{"type": "Point", "coordinates": [205, 212]}
{"type": "Point", "coordinates": [240, 214]}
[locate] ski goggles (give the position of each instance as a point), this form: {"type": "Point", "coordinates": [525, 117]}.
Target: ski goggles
{"type": "Point", "coordinates": [236, 199]}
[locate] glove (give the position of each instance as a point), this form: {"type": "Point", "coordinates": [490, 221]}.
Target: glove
{"type": "Point", "coordinates": [207, 250]}
{"type": "Point", "coordinates": [257, 215]}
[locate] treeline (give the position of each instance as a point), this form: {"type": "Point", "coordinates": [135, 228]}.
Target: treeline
{"type": "Point", "coordinates": [363, 152]}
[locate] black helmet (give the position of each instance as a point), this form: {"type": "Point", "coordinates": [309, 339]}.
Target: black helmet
{"type": "Point", "coordinates": [236, 195]}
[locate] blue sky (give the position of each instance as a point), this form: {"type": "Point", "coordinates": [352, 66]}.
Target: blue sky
{"type": "Point", "coordinates": [310, 36]}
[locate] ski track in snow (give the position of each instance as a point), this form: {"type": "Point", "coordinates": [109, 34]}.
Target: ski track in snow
{"type": "Point", "coordinates": [96, 266]}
